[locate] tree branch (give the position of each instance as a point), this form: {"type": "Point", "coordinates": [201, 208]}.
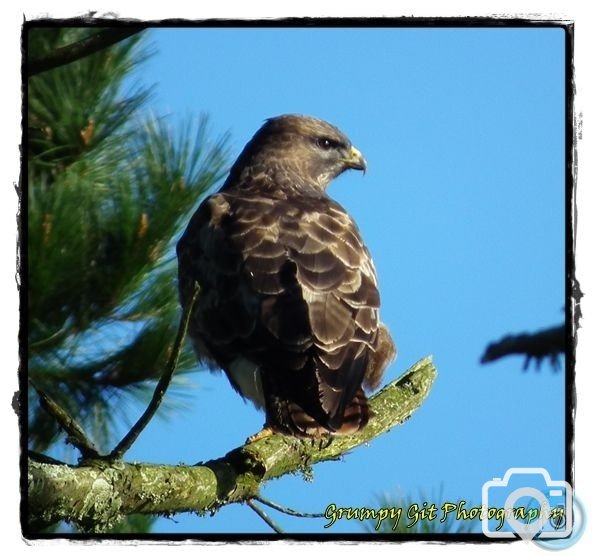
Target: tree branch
{"type": "Point", "coordinates": [76, 436]}
{"type": "Point", "coordinates": [76, 51]}
{"type": "Point", "coordinates": [285, 510]}
{"type": "Point", "coordinates": [544, 343]}
{"type": "Point", "coordinates": [98, 494]}
{"type": "Point", "coordinates": [162, 385]}
{"type": "Point", "coordinates": [273, 525]}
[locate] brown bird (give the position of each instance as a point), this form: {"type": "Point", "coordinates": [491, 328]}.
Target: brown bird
{"type": "Point", "coordinates": [288, 304]}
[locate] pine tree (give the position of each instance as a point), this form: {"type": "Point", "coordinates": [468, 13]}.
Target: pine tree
{"type": "Point", "coordinates": [106, 194]}
{"type": "Point", "coordinates": [108, 190]}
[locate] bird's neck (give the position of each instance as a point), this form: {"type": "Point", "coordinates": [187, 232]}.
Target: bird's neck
{"type": "Point", "coordinates": [277, 180]}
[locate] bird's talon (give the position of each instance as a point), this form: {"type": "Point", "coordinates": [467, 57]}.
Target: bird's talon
{"type": "Point", "coordinates": [322, 442]}
{"type": "Point", "coordinates": [264, 433]}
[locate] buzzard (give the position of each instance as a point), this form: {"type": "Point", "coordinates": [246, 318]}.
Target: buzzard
{"type": "Point", "coordinates": [288, 304]}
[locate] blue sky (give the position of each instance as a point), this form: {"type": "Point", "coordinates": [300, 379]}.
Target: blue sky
{"type": "Point", "coordinates": [463, 210]}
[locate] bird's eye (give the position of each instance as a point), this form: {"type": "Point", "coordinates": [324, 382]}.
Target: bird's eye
{"type": "Point", "coordinates": [326, 144]}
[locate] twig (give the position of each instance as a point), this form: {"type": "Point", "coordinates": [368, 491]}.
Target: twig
{"type": "Point", "coordinates": [264, 516]}
{"type": "Point", "coordinates": [76, 51]}
{"type": "Point", "coordinates": [159, 392]}
{"type": "Point", "coordinates": [76, 435]}
{"type": "Point", "coordinates": [284, 509]}
{"type": "Point", "coordinates": [42, 458]}
{"type": "Point", "coordinates": [56, 336]}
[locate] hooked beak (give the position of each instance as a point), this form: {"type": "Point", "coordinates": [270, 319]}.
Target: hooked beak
{"type": "Point", "coordinates": [355, 160]}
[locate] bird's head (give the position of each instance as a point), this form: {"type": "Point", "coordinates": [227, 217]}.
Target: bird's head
{"type": "Point", "coordinates": [300, 152]}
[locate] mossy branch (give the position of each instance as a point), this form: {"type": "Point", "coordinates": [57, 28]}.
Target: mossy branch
{"type": "Point", "coordinates": [98, 494]}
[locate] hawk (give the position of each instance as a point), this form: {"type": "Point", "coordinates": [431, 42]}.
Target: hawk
{"type": "Point", "coordinates": [288, 303]}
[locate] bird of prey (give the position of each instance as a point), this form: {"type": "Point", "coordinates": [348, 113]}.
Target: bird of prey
{"type": "Point", "coordinates": [288, 303]}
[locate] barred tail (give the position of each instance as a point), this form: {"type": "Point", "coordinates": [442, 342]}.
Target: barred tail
{"type": "Point", "coordinates": [355, 417]}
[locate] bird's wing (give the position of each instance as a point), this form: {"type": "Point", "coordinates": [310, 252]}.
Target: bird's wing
{"type": "Point", "coordinates": [289, 285]}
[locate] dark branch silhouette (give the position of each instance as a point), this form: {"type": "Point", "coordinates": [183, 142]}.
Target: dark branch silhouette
{"type": "Point", "coordinates": [550, 342]}
{"type": "Point", "coordinates": [76, 51]}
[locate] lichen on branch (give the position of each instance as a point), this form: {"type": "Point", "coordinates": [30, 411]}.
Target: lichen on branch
{"type": "Point", "coordinates": [98, 494]}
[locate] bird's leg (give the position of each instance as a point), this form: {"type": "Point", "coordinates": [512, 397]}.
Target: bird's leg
{"type": "Point", "coordinates": [264, 433]}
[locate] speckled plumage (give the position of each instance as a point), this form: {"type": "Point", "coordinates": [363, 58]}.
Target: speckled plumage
{"type": "Point", "coordinates": [288, 303]}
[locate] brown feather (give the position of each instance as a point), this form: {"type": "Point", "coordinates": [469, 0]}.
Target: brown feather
{"type": "Point", "coordinates": [288, 303]}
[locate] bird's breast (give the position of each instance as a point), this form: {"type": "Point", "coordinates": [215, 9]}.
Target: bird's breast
{"type": "Point", "coordinates": [245, 376]}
